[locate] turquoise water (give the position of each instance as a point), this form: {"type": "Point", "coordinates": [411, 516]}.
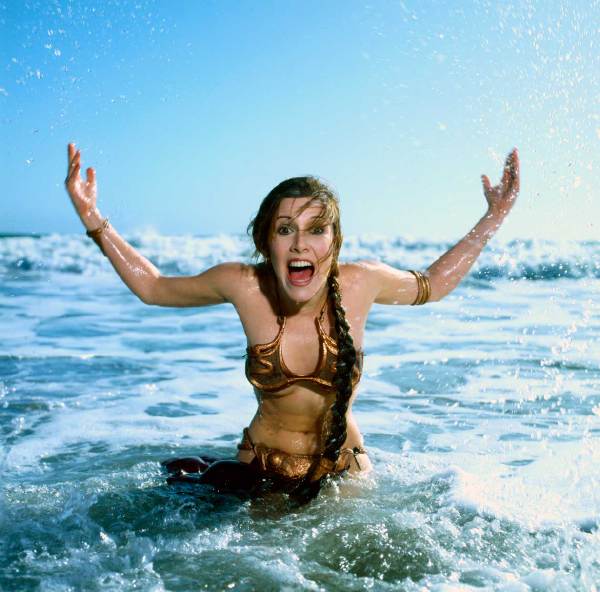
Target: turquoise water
{"type": "Point", "coordinates": [481, 414]}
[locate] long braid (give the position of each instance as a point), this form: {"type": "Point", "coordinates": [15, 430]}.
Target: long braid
{"type": "Point", "coordinates": [309, 486]}
{"type": "Point", "coordinates": [343, 375]}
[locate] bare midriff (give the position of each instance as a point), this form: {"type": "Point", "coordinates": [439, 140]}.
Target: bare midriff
{"type": "Point", "coordinates": [292, 422]}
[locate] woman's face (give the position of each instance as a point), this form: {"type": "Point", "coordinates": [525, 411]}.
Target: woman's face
{"type": "Point", "coordinates": [300, 248]}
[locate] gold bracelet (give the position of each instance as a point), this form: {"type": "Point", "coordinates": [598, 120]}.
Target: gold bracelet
{"type": "Point", "coordinates": [426, 289]}
{"type": "Point", "coordinates": [95, 234]}
{"type": "Point", "coordinates": [423, 288]}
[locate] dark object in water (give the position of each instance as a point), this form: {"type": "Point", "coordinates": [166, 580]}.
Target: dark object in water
{"type": "Point", "coordinates": [188, 464]}
{"type": "Point", "coordinates": [227, 476]}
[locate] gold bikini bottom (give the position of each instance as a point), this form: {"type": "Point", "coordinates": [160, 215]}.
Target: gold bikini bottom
{"type": "Point", "coordinates": [295, 466]}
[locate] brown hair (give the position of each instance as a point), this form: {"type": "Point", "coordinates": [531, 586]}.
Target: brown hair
{"type": "Point", "coordinates": [260, 229]}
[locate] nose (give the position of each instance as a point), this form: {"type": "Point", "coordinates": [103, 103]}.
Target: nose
{"type": "Point", "coordinates": [299, 242]}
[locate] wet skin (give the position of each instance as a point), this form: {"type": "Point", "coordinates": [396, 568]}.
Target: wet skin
{"type": "Point", "coordinates": [291, 420]}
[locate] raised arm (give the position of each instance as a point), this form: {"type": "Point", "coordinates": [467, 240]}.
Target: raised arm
{"type": "Point", "coordinates": [140, 275]}
{"type": "Point", "coordinates": [393, 286]}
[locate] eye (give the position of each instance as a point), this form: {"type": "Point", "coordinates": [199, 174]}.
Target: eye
{"type": "Point", "coordinates": [284, 230]}
{"type": "Point", "coordinates": [318, 230]}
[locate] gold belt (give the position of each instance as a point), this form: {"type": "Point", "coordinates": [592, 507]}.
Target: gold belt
{"type": "Point", "coordinates": [295, 466]}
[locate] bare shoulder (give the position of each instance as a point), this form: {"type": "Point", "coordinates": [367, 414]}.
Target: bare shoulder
{"type": "Point", "coordinates": [356, 279]}
{"type": "Point", "coordinates": [234, 270]}
{"type": "Point", "coordinates": [366, 268]}
{"type": "Point", "coordinates": [222, 283]}
{"type": "Point", "coordinates": [233, 278]}
{"type": "Point", "coordinates": [380, 282]}
{"type": "Point", "coordinates": [364, 271]}
{"type": "Point", "coordinates": [355, 270]}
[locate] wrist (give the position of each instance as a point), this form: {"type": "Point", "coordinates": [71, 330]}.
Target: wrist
{"type": "Point", "coordinates": [495, 215]}
{"type": "Point", "coordinates": [92, 219]}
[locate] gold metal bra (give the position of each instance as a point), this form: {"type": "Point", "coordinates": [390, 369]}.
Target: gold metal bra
{"type": "Point", "coordinates": [267, 371]}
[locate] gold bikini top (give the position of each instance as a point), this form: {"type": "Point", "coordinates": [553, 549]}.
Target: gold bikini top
{"type": "Point", "coordinates": [267, 371]}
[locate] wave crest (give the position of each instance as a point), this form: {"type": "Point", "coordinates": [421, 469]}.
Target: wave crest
{"type": "Point", "coordinates": [537, 260]}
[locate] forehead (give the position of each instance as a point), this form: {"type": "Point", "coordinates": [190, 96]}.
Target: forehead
{"type": "Point", "coordinates": [292, 207]}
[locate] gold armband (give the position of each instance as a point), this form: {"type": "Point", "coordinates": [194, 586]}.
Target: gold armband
{"type": "Point", "coordinates": [95, 234]}
{"type": "Point", "coordinates": [423, 287]}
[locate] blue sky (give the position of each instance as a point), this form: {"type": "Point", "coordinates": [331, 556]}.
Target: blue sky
{"type": "Point", "coordinates": [192, 111]}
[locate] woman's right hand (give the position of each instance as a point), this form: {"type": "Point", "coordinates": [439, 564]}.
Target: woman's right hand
{"type": "Point", "coordinates": [82, 193]}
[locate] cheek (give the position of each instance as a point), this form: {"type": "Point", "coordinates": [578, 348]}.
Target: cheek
{"type": "Point", "coordinates": [277, 248]}
{"type": "Point", "coordinates": [327, 246]}
{"type": "Point", "coordinates": [325, 255]}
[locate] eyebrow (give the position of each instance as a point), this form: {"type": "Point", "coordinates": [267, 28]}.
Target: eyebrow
{"type": "Point", "coordinates": [290, 217]}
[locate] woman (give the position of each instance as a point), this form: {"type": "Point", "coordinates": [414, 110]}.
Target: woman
{"type": "Point", "coordinates": [304, 318]}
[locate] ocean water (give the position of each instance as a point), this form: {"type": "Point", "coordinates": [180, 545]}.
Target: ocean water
{"type": "Point", "coordinates": [481, 414]}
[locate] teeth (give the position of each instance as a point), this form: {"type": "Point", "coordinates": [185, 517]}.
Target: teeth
{"type": "Point", "coordinates": [300, 264]}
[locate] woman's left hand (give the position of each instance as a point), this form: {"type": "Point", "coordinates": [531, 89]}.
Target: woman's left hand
{"type": "Point", "coordinates": [501, 197]}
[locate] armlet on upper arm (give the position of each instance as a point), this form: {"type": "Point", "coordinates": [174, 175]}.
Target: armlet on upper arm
{"type": "Point", "coordinates": [423, 287]}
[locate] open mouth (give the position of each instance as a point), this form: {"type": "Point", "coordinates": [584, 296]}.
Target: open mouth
{"type": "Point", "coordinates": [300, 272]}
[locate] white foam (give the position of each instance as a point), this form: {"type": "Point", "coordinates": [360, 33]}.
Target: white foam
{"type": "Point", "coordinates": [559, 487]}
{"type": "Point", "coordinates": [190, 254]}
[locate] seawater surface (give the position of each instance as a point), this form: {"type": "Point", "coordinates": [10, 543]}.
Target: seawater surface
{"type": "Point", "coordinates": [481, 414]}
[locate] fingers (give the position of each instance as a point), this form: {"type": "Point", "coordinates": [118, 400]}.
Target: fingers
{"type": "Point", "coordinates": [511, 177]}
{"type": "Point", "coordinates": [516, 170]}
{"type": "Point", "coordinates": [487, 186]}
{"type": "Point", "coordinates": [70, 156]}
{"type": "Point", "coordinates": [74, 164]}
{"type": "Point", "coordinates": [507, 173]}
{"type": "Point", "coordinates": [90, 176]}
{"type": "Point", "coordinates": [74, 169]}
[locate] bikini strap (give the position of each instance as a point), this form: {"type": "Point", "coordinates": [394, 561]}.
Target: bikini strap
{"type": "Point", "coordinates": [246, 443]}
{"type": "Point", "coordinates": [354, 452]}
